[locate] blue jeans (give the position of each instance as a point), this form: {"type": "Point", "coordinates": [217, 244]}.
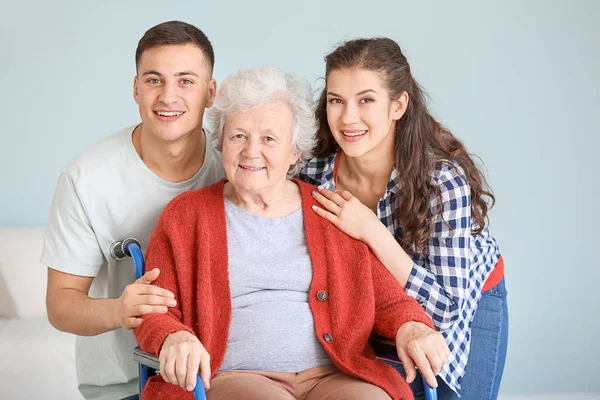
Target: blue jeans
{"type": "Point", "coordinates": [489, 339]}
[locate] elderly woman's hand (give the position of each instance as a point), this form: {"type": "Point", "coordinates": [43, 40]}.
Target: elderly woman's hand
{"type": "Point", "coordinates": [180, 357]}
{"type": "Point", "coordinates": [347, 213]}
{"type": "Point", "coordinates": [422, 347]}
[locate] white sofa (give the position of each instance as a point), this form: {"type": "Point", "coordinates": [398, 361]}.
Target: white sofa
{"type": "Point", "coordinates": [36, 360]}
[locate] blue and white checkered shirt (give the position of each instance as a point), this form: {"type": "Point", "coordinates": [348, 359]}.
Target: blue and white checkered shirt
{"type": "Point", "coordinates": [447, 281]}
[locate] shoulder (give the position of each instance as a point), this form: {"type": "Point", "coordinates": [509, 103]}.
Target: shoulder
{"type": "Point", "coordinates": [205, 199]}
{"type": "Point", "coordinates": [448, 176]}
{"type": "Point", "coordinates": [306, 188]}
{"type": "Point", "coordinates": [454, 188]}
{"type": "Point", "coordinates": [106, 152]}
{"type": "Point", "coordinates": [316, 226]}
{"type": "Point", "coordinates": [318, 170]}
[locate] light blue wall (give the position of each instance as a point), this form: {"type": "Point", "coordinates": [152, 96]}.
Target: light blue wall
{"type": "Point", "coordinates": [517, 81]}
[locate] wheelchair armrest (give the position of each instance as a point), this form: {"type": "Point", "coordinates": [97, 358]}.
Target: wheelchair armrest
{"type": "Point", "coordinates": [382, 345]}
{"type": "Point", "coordinates": [147, 359]}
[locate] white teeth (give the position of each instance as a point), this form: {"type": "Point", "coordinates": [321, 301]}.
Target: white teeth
{"type": "Point", "coordinates": [252, 168]}
{"type": "Point", "coordinates": [169, 113]}
{"type": "Point", "coordinates": [354, 134]}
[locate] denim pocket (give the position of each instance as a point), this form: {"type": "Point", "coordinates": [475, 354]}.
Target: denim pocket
{"type": "Point", "coordinates": [499, 290]}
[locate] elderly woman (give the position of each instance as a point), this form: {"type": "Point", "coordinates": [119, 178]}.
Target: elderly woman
{"type": "Point", "coordinates": [273, 302]}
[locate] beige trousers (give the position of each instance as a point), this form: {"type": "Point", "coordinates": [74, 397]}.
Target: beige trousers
{"type": "Point", "coordinates": [321, 383]}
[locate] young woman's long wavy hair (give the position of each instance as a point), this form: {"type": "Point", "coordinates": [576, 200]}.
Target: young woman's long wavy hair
{"type": "Point", "coordinates": [421, 143]}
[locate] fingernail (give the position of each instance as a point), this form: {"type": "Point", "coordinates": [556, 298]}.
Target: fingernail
{"type": "Point", "coordinates": [314, 208]}
{"type": "Point", "coordinates": [321, 187]}
{"type": "Point", "coordinates": [172, 303]}
{"type": "Point", "coordinates": [189, 388]}
{"type": "Point", "coordinates": [315, 193]}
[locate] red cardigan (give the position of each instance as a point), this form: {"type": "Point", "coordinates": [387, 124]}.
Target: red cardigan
{"type": "Point", "coordinates": [189, 245]}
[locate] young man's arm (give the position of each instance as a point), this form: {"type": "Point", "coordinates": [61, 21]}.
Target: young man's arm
{"type": "Point", "coordinates": [72, 252]}
{"type": "Point", "coordinates": [70, 309]}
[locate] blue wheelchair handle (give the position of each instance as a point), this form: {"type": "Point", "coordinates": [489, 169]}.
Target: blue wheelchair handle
{"type": "Point", "coordinates": [145, 374]}
{"type": "Point", "coordinates": [199, 392]}
{"type": "Point", "coordinates": [133, 249]}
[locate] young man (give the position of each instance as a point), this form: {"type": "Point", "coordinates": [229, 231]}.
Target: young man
{"type": "Point", "coordinates": [117, 189]}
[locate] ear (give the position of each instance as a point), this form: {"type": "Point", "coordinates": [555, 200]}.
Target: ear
{"type": "Point", "coordinates": [212, 92]}
{"type": "Point", "coordinates": [136, 96]}
{"type": "Point", "coordinates": [295, 157]}
{"type": "Point", "coordinates": [399, 106]}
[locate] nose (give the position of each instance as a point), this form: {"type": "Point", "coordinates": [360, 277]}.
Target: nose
{"type": "Point", "coordinates": [169, 94]}
{"type": "Point", "coordinates": [349, 114]}
{"type": "Point", "coordinates": [252, 148]}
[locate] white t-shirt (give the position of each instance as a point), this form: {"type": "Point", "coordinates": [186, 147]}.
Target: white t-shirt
{"type": "Point", "coordinates": [107, 194]}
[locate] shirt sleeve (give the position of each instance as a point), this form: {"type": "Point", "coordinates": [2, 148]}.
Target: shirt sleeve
{"type": "Point", "coordinates": [70, 244]}
{"type": "Point", "coordinates": [439, 279]}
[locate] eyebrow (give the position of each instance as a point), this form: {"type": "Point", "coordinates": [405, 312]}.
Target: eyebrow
{"type": "Point", "coordinates": [357, 94]}
{"type": "Point", "coordinates": [269, 131]}
{"type": "Point", "coordinates": [182, 73]}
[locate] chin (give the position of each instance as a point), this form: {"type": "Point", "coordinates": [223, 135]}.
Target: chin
{"type": "Point", "coordinates": [355, 151]}
{"type": "Point", "coordinates": [171, 133]}
{"type": "Point", "coordinates": [250, 188]}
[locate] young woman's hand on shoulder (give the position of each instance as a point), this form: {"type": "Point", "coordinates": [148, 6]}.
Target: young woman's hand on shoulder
{"type": "Point", "coordinates": [347, 213]}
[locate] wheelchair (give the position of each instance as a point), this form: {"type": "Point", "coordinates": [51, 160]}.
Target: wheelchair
{"type": "Point", "coordinates": [149, 364]}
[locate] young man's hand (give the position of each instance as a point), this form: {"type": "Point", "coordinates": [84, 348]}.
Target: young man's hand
{"type": "Point", "coordinates": [141, 297]}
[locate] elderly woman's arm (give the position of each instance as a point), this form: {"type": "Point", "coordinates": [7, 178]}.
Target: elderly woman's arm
{"type": "Point", "coordinates": [165, 334]}
{"type": "Point", "coordinates": [399, 316]}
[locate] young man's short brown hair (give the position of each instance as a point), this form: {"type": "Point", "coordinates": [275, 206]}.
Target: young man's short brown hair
{"type": "Point", "coordinates": [175, 32]}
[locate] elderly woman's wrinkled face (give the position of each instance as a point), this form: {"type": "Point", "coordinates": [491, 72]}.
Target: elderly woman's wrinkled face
{"type": "Point", "coordinates": [257, 147]}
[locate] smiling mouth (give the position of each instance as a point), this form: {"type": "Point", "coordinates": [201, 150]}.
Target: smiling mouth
{"type": "Point", "coordinates": [169, 113]}
{"type": "Point", "coordinates": [354, 133]}
{"type": "Point", "coordinates": [248, 168]}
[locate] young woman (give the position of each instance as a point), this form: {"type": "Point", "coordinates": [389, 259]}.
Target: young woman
{"type": "Point", "coordinates": [391, 176]}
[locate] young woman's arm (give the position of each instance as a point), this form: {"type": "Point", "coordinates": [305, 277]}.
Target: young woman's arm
{"type": "Point", "coordinates": [439, 279]}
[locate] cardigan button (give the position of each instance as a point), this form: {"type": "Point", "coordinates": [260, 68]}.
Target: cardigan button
{"type": "Point", "coordinates": [328, 338]}
{"type": "Point", "coordinates": [322, 295]}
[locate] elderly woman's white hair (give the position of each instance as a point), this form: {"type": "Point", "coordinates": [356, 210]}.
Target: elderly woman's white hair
{"type": "Point", "coordinates": [254, 87]}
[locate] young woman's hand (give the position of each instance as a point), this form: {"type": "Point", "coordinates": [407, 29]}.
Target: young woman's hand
{"type": "Point", "coordinates": [181, 356]}
{"type": "Point", "coordinates": [347, 213]}
{"type": "Point", "coordinates": [421, 347]}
